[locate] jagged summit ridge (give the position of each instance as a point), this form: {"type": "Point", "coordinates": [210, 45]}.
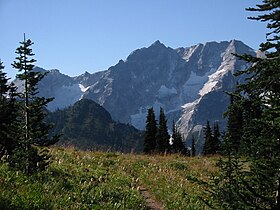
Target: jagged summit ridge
{"type": "Point", "coordinates": [188, 82]}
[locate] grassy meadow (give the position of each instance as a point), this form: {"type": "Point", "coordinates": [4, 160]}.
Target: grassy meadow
{"type": "Point", "coordinates": [104, 180]}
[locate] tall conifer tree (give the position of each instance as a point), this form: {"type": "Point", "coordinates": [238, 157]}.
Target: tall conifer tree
{"type": "Point", "coordinates": [208, 137]}
{"type": "Point", "coordinates": [177, 144]}
{"type": "Point", "coordinates": [150, 132]}
{"type": "Point", "coordinates": [34, 130]}
{"type": "Point", "coordinates": [235, 121]}
{"type": "Point", "coordinates": [216, 139]}
{"type": "Point", "coordinates": [162, 139]}
{"type": "Point", "coordinates": [8, 115]}
{"type": "Point", "coordinates": [253, 181]}
{"type": "Point", "coordinates": [193, 147]}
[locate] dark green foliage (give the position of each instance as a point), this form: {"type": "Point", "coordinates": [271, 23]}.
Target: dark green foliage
{"type": "Point", "coordinates": [157, 139]}
{"type": "Point", "coordinates": [235, 122]}
{"type": "Point", "coordinates": [207, 148]}
{"type": "Point", "coordinates": [177, 141]}
{"type": "Point", "coordinates": [4, 87]}
{"type": "Point", "coordinates": [32, 131]}
{"type": "Point", "coordinates": [212, 139]}
{"type": "Point", "coordinates": [88, 126]}
{"type": "Point", "coordinates": [228, 189]}
{"type": "Point", "coordinates": [8, 114]}
{"type": "Point", "coordinates": [252, 180]}
{"type": "Point", "coordinates": [29, 159]}
{"type": "Point", "coordinates": [82, 116]}
{"type": "Point", "coordinates": [216, 138]}
{"type": "Point", "coordinates": [193, 150]}
{"type": "Point", "coordinates": [150, 132]}
{"type": "Point", "coordinates": [162, 139]}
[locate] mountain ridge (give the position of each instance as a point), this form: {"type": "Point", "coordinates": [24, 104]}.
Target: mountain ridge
{"type": "Point", "coordinates": [88, 126]}
{"type": "Point", "coordinates": [184, 81]}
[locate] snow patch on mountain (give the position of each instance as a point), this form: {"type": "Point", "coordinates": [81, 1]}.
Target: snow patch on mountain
{"type": "Point", "coordinates": [194, 84]}
{"type": "Point", "coordinates": [96, 91]}
{"type": "Point", "coordinates": [188, 111]}
{"type": "Point", "coordinates": [164, 91]}
{"type": "Point", "coordinates": [184, 81]}
{"type": "Point", "coordinates": [65, 96]}
{"type": "Point", "coordinates": [138, 119]}
{"type": "Point", "coordinates": [189, 52]}
{"type": "Point", "coordinates": [213, 79]}
{"type": "Point", "coordinates": [199, 85]}
{"type": "Point", "coordinates": [205, 84]}
{"type": "Point", "coordinates": [83, 88]}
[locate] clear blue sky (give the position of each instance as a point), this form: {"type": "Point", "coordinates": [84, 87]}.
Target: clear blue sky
{"type": "Point", "coordinates": [75, 36]}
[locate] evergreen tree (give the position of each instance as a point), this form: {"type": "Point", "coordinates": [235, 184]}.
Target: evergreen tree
{"type": "Point", "coordinates": [162, 139]}
{"type": "Point", "coordinates": [4, 87]}
{"type": "Point", "coordinates": [177, 144]}
{"type": "Point", "coordinates": [212, 139]}
{"type": "Point", "coordinates": [208, 137]}
{"type": "Point", "coordinates": [150, 132]}
{"type": "Point", "coordinates": [216, 139]}
{"type": "Point", "coordinates": [34, 131]}
{"type": "Point", "coordinates": [193, 147]}
{"type": "Point", "coordinates": [262, 106]}
{"type": "Point", "coordinates": [235, 121]}
{"type": "Point", "coordinates": [253, 181]}
{"type": "Point", "coordinates": [8, 114]}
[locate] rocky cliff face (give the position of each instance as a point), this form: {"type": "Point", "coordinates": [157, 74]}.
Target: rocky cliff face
{"type": "Point", "coordinates": [212, 101]}
{"type": "Point", "coordinates": [189, 83]}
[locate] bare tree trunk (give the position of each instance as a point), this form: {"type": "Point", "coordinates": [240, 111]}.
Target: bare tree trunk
{"type": "Point", "coordinates": [26, 112]}
{"type": "Point", "coordinates": [277, 206]}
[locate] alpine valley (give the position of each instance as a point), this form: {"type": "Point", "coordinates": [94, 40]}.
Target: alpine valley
{"type": "Point", "coordinates": [189, 83]}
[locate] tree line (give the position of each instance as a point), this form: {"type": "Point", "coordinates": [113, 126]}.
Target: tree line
{"type": "Point", "coordinates": [157, 139]}
{"type": "Point", "coordinates": [212, 141]}
{"type": "Point", "coordinates": [23, 132]}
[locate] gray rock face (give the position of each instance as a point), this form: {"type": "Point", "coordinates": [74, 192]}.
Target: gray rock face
{"type": "Point", "coordinates": [187, 82]}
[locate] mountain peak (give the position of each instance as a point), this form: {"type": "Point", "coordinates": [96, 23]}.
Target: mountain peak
{"type": "Point", "coordinates": [138, 54]}
{"type": "Point", "coordinates": [186, 82]}
{"type": "Point", "coordinates": [54, 71]}
{"type": "Point", "coordinates": [240, 47]}
{"type": "Point", "coordinates": [236, 42]}
{"type": "Point", "coordinates": [86, 74]}
{"type": "Point", "coordinates": [39, 69]}
{"type": "Point", "coordinates": [157, 44]}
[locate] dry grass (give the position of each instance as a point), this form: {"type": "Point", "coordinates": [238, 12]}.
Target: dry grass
{"type": "Point", "coordinates": [104, 180]}
{"type": "Point", "coordinates": [166, 177]}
